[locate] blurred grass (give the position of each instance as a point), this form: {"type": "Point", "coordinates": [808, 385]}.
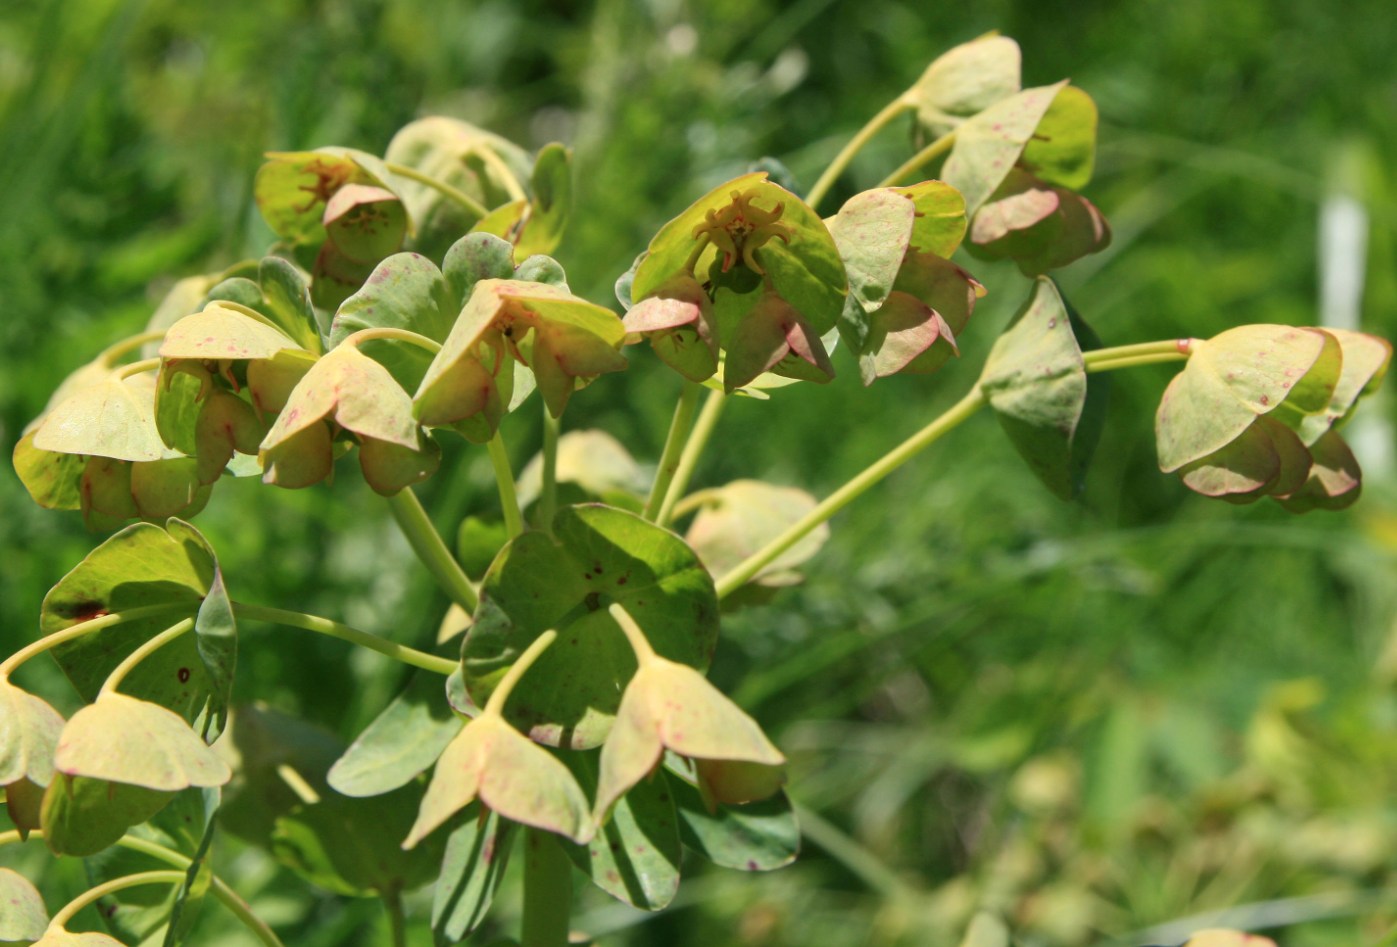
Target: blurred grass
{"type": "Point", "coordinates": [1090, 719]}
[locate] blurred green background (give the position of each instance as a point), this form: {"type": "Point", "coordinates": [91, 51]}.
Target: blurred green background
{"type": "Point", "coordinates": [1105, 722]}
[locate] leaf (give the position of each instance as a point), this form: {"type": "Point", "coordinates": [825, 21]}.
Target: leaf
{"type": "Point", "coordinates": [125, 740]}
{"type": "Point", "coordinates": [1267, 458]}
{"type": "Point", "coordinates": [940, 222]}
{"type": "Point", "coordinates": [596, 554]}
{"type": "Point", "coordinates": [52, 479]}
{"type": "Point", "coordinates": [292, 188]}
{"type": "Point", "coordinates": [1236, 376]}
{"type": "Point", "coordinates": [550, 203]}
{"type": "Point", "coordinates": [287, 301]}
{"type": "Point", "coordinates": [141, 566]}
{"type": "Point", "coordinates": [873, 231]}
{"type": "Point", "coordinates": [596, 463]}
{"type": "Point", "coordinates": [473, 258]}
{"type": "Point", "coordinates": [1334, 481]}
{"type": "Point", "coordinates": [400, 743]}
{"type": "Point", "coordinates": [477, 852]}
{"type": "Point", "coordinates": [741, 517]}
{"type": "Point", "coordinates": [1036, 382]}
{"type": "Point", "coordinates": [23, 916]}
{"type": "Point", "coordinates": [758, 836]}
{"type": "Point", "coordinates": [636, 854]}
{"type": "Point", "coordinates": [963, 81]}
{"type": "Point", "coordinates": [1364, 363]}
{"type": "Point", "coordinates": [29, 730]}
{"type": "Point", "coordinates": [510, 774]}
{"type": "Point", "coordinates": [365, 223]}
{"type": "Point", "coordinates": [988, 144]}
{"type": "Point", "coordinates": [405, 291]}
{"type": "Point", "coordinates": [222, 332]}
{"type": "Point", "coordinates": [1062, 150]}
{"type": "Point", "coordinates": [82, 816]}
{"type": "Point", "coordinates": [59, 937]}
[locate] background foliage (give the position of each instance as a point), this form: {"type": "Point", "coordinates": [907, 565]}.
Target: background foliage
{"type": "Point", "coordinates": [1090, 719]}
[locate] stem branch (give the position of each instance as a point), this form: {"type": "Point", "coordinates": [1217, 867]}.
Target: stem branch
{"type": "Point", "coordinates": [548, 493]}
{"type": "Point", "coordinates": [504, 479]}
{"type": "Point", "coordinates": [909, 167]}
{"type": "Point", "coordinates": [495, 705]}
{"type": "Point", "coordinates": [855, 488]}
{"type": "Point", "coordinates": [688, 460]}
{"type": "Point", "coordinates": [148, 647]}
{"type": "Point", "coordinates": [864, 135]}
{"type": "Point", "coordinates": [395, 334]}
{"type": "Point", "coordinates": [334, 629]}
{"type": "Point", "coordinates": [679, 428]}
{"type": "Point", "coordinates": [163, 876]}
{"type": "Point", "coordinates": [547, 892]}
{"type": "Point", "coordinates": [441, 187]}
{"type": "Point", "coordinates": [639, 643]}
{"type": "Point", "coordinates": [8, 666]}
{"type": "Point", "coordinates": [427, 543]}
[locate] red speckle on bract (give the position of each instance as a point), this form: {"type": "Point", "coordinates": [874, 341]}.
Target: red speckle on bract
{"type": "Point", "coordinates": [1265, 399]}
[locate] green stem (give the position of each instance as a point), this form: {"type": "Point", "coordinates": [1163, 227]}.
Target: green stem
{"type": "Point", "coordinates": [851, 854]}
{"type": "Point", "coordinates": [116, 350]}
{"type": "Point", "coordinates": [1110, 365]}
{"type": "Point", "coordinates": [634, 634]}
{"type": "Point", "coordinates": [693, 501]}
{"type": "Point", "coordinates": [135, 368]}
{"type": "Point", "coordinates": [334, 629]}
{"type": "Point", "coordinates": [495, 705]}
{"type": "Point", "coordinates": [8, 666]}
{"type": "Point", "coordinates": [496, 163]}
{"type": "Point", "coordinates": [147, 648]}
{"type": "Point", "coordinates": [441, 187]}
{"type": "Point", "coordinates": [1141, 353]}
{"type": "Point", "coordinates": [504, 479]}
{"type": "Point", "coordinates": [909, 167]}
{"type": "Point", "coordinates": [163, 876]}
{"type": "Point", "coordinates": [688, 460]}
{"type": "Point", "coordinates": [679, 427]}
{"type": "Point", "coordinates": [547, 892]}
{"type": "Point", "coordinates": [431, 550]}
{"type": "Point", "coordinates": [841, 161]}
{"type": "Point", "coordinates": [226, 895]}
{"type": "Point", "coordinates": [397, 923]}
{"type": "Point", "coordinates": [700, 245]}
{"type": "Point", "coordinates": [852, 490]}
{"type": "Point", "coordinates": [398, 335]}
{"type": "Point", "coordinates": [548, 493]}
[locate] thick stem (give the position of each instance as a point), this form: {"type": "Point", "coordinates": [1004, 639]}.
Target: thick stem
{"type": "Point", "coordinates": [441, 187]}
{"type": "Point", "coordinates": [548, 492]}
{"type": "Point", "coordinates": [397, 922]}
{"type": "Point", "coordinates": [504, 479]}
{"type": "Point", "coordinates": [147, 648]}
{"type": "Point", "coordinates": [841, 161]}
{"type": "Point", "coordinates": [679, 427]}
{"type": "Point", "coordinates": [431, 549]}
{"type": "Point", "coordinates": [913, 164]}
{"type": "Point", "coordinates": [634, 634]}
{"type": "Point", "coordinates": [495, 705]}
{"type": "Point", "coordinates": [395, 334]}
{"type": "Point", "coordinates": [688, 460]}
{"type": "Point", "coordinates": [1141, 353]}
{"type": "Point", "coordinates": [547, 892]}
{"type": "Point", "coordinates": [324, 626]}
{"type": "Point", "coordinates": [851, 491]}
{"type": "Point", "coordinates": [225, 895]}
{"type": "Point", "coordinates": [8, 666]}
{"type": "Point", "coordinates": [162, 876]}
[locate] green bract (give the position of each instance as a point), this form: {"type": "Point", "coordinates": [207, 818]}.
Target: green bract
{"type": "Point", "coordinates": [768, 268]}
{"type": "Point", "coordinates": [964, 81]}
{"type": "Point", "coordinates": [29, 730]}
{"type": "Point", "coordinates": [23, 916]}
{"type": "Point", "coordinates": [125, 740]}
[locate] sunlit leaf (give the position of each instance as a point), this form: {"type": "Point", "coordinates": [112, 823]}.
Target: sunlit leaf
{"type": "Point", "coordinates": [82, 816]}
{"type": "Point", "coordinates": [595, 555]}
{"type": "Point", "coordinates": [29, 730]}
{"type": "Point", "coordinates": [23, 917]}
{"type": "Point", "coordinates": [739, 518]}
{"type": "Point", "coordinates": [125, 740]}
{"type": "Point", "coordinates": [757, 836]}
{"type": "Point", "coordinates": [988, 144]}
{"type": "Point", "coordinates": [594, 462]}
{"type": "Point", "coordinates": [963, 81]}
{"type": "Point", "coordinates": [365, 223]}
{"type": "Point", "coordinates": [144, 565]}
{"type": "Point", "coordinates": [1062, 150]}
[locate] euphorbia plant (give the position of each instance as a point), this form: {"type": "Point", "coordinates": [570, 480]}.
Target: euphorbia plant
{"type": "Point", "coordinates": [564, 708]}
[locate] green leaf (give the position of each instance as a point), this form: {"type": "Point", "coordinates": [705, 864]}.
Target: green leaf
{"type": "Point", "coordinates": [737, 519]}
{"type": "Point", "coordinates": [113, 418]}
{"type": "Point", "coordinates": [405, 291]}
{"type": "Point", "coordinates": [1267, 458]}
{"type": "Point", "coordinates": [1036, 382]}
{"type": "Point", "coordinates": [24, 916]}
{"type": "Point", "coordinates": [758, 836]}
{"type": "Point", "coordinates": [988, 144]}
{"type": "Point", "coordinates": [292, 189]}
{"type": "Point", "coordinates": [940, 223]}
{"type": "Point", "coordinates": [473, 258]}
{"type": "Point", "coordinates": [1334, 480]}
{"type": "Point", "coordinates": [477, 852]}
{"type": "Point", "coordinates": [29, 730]}
{"type": "Point", "coordinates": [597, 464]}
{"type": "Point", "coordinates": [1233, 378]}
{"type": "Point", "coordinates": [914, 331]}
{"type": "Point", "coordinates": [125, 740]}
{"type": "Point", "coordinates": [1039, 226]}
{"type": "Point", "coordinates": [287, 300]}
{"type": "Point", "coordinates": [352, 846]}
{"type": "Point", "coordinates": [222, 332]}
{"type": "Point", "coordinates": [1365, 360]}
{"type": "Point", "coordinates": [595, 555]}
{"type": "Point", "coordinates": [58, 937]}
{"type": "Point", "coordinates": [550, 203]}
{"type": "Point", "coordinates": [144, 565]}
{"type": "Point", "coordinates": [82, 816]}
{"type": "Point", "coordinates": [52, 479]}
{"type": "Point", "coordinates": [198, 878]}
{"type": "Point", "coordinates": [873, 231]}
{"type": "Point", "coordinates": [1062, 150]}
{"type": "Point", "coordinates": [963, 81]}
{"type": "Point", "coordinates": [635, 856]}
{"type": "Point", "coordinates": [402, 742]}
{"type": "Point", "coordinates": [365, 223]}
